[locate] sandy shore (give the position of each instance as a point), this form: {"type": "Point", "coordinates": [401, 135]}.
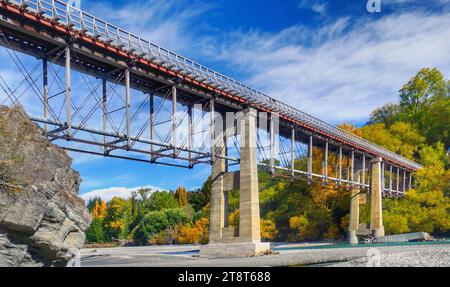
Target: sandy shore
{"type": "Point", "coordinates": [287, 255]}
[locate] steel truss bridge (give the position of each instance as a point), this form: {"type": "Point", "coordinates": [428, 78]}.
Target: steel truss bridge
{"type": "Point", "coordinates": [98, 89]}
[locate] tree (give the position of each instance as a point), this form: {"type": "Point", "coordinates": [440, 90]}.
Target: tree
{"type": "Point", "coordinates": [424, 208]}
{"type": "Point", "coordinates": [160, 200]}
{"type": "Point", "coordinates": [118, 217]}
{"type": "Point", "coordinates": [96, 233]}
{"type": "Point", "coordinates": [386, 115]}
{"type": "Point", "coordinates": [181, 196]}
{"type": "Point", "coordinates": [268, 229]}
{"type": "Point", "coordinates": [350, 128]}
{"type": "Point", "coordinates": [99, 209]}
{"type": "Point", "coordinates": [141, 236]}
{"type": "Point", "coordinates": [196, 234]}
{"type": "Point", "coordinates": [419, 92]}
{"type": "Point", "coordinates": [91, 203]}
{"type": "Point", "coordinates": [434, 122]}
{"type": "Point", "coordinates": [156, 221]}
{"type": "Point", "coordinates": [400, 137]}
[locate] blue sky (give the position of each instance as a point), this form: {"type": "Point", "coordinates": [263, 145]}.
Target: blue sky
{"type": "Point", "coordinates": [331, 59]}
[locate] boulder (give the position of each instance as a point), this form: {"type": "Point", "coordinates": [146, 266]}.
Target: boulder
{"type": "Point", "coordinates": [42, 219]}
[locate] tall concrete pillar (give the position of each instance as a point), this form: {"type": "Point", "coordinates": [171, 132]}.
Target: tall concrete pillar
{"type": "Point", "coordinates": [354, 213]}
{"type": "Point", "coordinates": [217, 207]}
{"type": "Point", "coordinates": [225, 241]}
{"type": "Point", "coordinates": [376, 199]}
{"type": "Point", "coordinates": [249, 217]}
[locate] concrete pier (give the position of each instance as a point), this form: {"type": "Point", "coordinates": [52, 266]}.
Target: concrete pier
{"type": "Point", "coordinates": [244, 240]}
{"type": "Point", "coordinates": [354, 214]}
{"type": "Point", "coordinates": [376, 199]}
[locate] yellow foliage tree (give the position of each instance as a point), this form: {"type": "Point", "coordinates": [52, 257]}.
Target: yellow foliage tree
{"type": "Point", "coordinates": [268, 230]}
{"type": "Point", "coordinates": [233, 218]}
{"type": "Point", "coordinates": [197, 234]}
{"type": "Point", "coordinates": [99, 210]}
{"type": "Point", "coordinates": [181, 195]}
{"type": "Point", "coordinates": [351, 129]}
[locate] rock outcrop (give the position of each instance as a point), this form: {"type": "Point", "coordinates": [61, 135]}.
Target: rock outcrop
{"type": "Point", "coordinates": [42, 219]}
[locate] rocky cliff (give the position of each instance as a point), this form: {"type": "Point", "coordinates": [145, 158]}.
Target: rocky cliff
{"type": "Point", "coordinates": [42, 219]}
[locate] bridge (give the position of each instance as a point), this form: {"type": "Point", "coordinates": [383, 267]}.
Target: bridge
{"type": "Point", "coordinates": [95, 88]}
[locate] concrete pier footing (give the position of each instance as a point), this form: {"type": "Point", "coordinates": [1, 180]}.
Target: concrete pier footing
{"type": "Point", "coordinates": [243, 249]}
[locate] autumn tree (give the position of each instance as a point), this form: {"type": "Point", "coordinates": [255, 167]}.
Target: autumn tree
{"type": "Point", "coordinates": [96, 231]}
{"type": "Point", "coordinates": [117, 218]}
{"type": "Point", "coordinates": [99, 209]}
{"type": "Point", "coordinates": [181, 196]}
{"type": "Point", "coordinates": [198, 233]}
{"type": "Point", "coordinates": [268, 229]}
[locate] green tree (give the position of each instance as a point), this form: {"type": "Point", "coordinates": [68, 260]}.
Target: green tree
{"type": "Point", "coordinates": [199, 198]}
{"type": "Point", "coordinates": [434, 122]}
{"type": "Point", "coordinates": [140, 201]}
{"type": "Point", "coordinates": [386, 115]}
{"type": "Point", "coordinates": [141, 236]}
{"type": "Point", "coordinates": [156, 221]}
{"type": "Point", "coordinates": [160, 200]}
{"type": "Point", "coordinates": [420, 91]}
{"type": "Point", "coordinates": [96, 233]}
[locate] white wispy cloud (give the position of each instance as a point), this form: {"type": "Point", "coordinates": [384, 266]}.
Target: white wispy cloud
{"type": "Point", "coordinates": [313, 5]}
{"type": "Point", "coordinates": [341, 71]}
{"type": "Point", "coordinates": [169, 23]}
{"type": "Point", "coordinates": [109, 193]}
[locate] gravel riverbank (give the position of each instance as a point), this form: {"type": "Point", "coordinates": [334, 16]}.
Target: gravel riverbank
{"type": "Point", "coordinates": [288, 255]}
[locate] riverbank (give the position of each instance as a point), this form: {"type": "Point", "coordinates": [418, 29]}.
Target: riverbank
{"type": "Point", "coordinates": [410, 255]}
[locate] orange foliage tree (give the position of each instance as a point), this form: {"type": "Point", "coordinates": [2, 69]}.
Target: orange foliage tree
{"type": "Point", "coordinates": [181, 196]}
{"type": "Point", "coordinates": [99, 210]}
{"type": "Point", "coordinates": [196, 234]}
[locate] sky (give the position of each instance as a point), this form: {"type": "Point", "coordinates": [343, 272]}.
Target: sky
{"type": "Point", "coordinates": [331, 59]}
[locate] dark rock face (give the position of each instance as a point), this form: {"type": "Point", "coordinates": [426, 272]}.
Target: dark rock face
{"type": "Point", "coordinates": [42, 219]}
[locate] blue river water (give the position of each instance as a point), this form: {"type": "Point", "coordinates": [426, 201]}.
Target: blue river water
{"type": "Point", "coordinates": [361, 245]}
